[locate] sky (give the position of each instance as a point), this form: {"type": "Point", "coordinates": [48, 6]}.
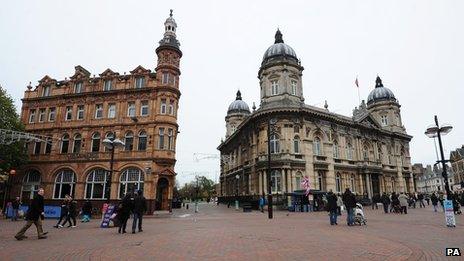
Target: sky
{"type": "Point", "coordinates": [416, 47]}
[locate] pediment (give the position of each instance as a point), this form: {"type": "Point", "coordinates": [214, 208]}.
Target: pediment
{"type": "Point", "coordinates": [139, 70]}
{"type": "Point", "coordinates": [46, 80]}
{"type": "Point", "coordinates": [108, 73]}
{"type": "Point", "coordinates": [167, 172]}
{"type": "Point", "coordinates": [80, 73]}
{"type": "Point", "coordinates": [368, 121]}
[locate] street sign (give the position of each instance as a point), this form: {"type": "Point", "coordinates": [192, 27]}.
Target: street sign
{"type": "Point", "coordinates": [107, 216]}
{"type": "Point", "coordinates": [449, 213]}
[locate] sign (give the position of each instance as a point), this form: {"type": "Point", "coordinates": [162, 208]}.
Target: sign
{"type": "Point", "coordinates": [449, 213]}
{"type": "Point", "coordinates": [49, 211]}
{"type": "Point", "coordinates": [305, 184]}
{"type": "Point", "coordinates": [107, 216]}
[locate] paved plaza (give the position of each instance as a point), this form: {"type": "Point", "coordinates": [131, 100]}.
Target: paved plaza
{"type": "Point", "coordinates": [219, 233]}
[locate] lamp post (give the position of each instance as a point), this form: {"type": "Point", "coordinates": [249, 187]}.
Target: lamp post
{"type": "Point", "coordinates": [270, 131]}
{"type": "Point", "coordinates": [6, 195]}
{"type": "Point", "coordinates": [111, 144]}
{"type": "Point", "coordinates": [437, 131]}
{"type": "Point", "coordinates": [197, 188]}
{"type": "Point", "coordinates": [237, 177]}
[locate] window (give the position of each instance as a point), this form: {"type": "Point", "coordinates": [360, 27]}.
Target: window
{"type": "Point", "coordinates": [48, 146]}
{"type": "Point", "coordinates": [321, 180]}
{"type": "Point", "coordinates": [32, 116]}
{"type": "Point", "coordinates": [171, 107]}
{"type": "Point", "coordinates": [352, 183]}
{"type": "Point", "coordinates": [46, 91]}
{"type": "Point", "coordinates": [31, 183]}
{"type": "Point", "coordinates": [131, 179]}
{"type": "Point", "coordinates": [298, 178]}
{"type": "Point", "coordinates": [107, 85]}
{"type": "Point", "coordinates": [336, 150]}
{"type": "Point", "coordinates": [161, 139]}
{"type": "Point", "coordinates": [276, 181]}
{"type": "Point", "coordinates": [65, 182]}
{"type": "Point", "coordinates": [165, 79]}
{"type": "Point", "coordinates": [296, 144]}
{"type": "Point", "coordinates": [111, 110]}
{"type": "Point", "coordinates": [275, 146]}
{"type": "Point", "coordinates": [393, 184]}
{"type": "Point", "coordinates": [349, 151]}
{"type": "Point", "coordinates": [142, 140]}
{"type": "Point", "coordinates": [293, 83]}
{"type": "Point", "coordinates": [78, 87]}
{"type": "Point", "coordinates": [98, 111]}
{"type": "Point", "coordinates": [80, 112]}
{"type": "Point", "coordinates": [384, 120]}
{"type": "Point", "coordinates": [51, 114]}
{"type": "Point", "coordinates": [41, 115]}
{"type": "Point", "coordinates": [163, 106]}
{"type": "Point", "coordinates": [77, 143]}
{"type": "Point", "coordinates": [365, 153]}
{"type": "Point", "coordinates": [317, 146]}
{"type": "Point", "coordinates": [274, 88]}
{"type": "Point", "coordinates": [96, 184]}
{"type": "Point", "coordinates": [109, 136]}
{"type": "Point", "coordinates": [131, 109]}
{"type": "Point", "coordinates": [37, 146]}
{"type": "Point", "coordinates": [139, 82]}
{"type": "Point", "coordinates": [96, 142]}
{"type": "Point", "coordinates": [170, 143]}
{"type": "Point", "coordinates": [64, 143]}
{"type": "Point", "coordinates": [144, 108]}
{"type": "Point", "coordinates": [68, 113]}
{"type": "Point", "coordinates": [338, 183]}
{"type": "Point", "coordinates": [129, 141]}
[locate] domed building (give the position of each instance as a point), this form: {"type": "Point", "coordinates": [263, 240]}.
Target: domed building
{"type": "Point", "coordinates": [367, 152]}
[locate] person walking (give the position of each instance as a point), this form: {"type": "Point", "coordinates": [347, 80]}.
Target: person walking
{"type": "Point", "coordinates": [35, 215]}
{"type": "Point", "coordinates": [64, 211]}
{"type": "Point", "coordinates": [441, 199]}
{"type": "Point", "coordinates": [86, 211]}
{"type": "Point", "coordinates": [332, 207]}
{"type": "Point", "coordinates": [434, 200]}
{"type": "Point", "coordinates": [420, 197]}
{"type": "Point", "coordinates": [15, 206]}
{"type": "Point", "coordinates": [140, 206]}
{"type": "Point", "coordinates": [124, 211]}
{"type": "Point", "coordinates": [403, 203]}
{"type": "Point", "coordinates": [72, 213]}
{"type": "Point", "coordinates": [386, 202]}
{"type": "Point", "coordinates": [261, 204]}
{"type": "Point", "coordinates": [350, 202]}
{"type": "Point", "coordinates": [339, 204]}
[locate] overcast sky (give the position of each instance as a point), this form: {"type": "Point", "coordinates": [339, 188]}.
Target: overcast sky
{"type": "Point", "coordinates": [417, 48]}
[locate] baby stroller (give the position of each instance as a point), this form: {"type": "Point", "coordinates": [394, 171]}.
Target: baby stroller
{"type": "Point", "coordinates": [359, 215]}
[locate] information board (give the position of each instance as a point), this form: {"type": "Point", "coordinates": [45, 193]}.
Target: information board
{"type": "Point", "coordinates": [449, 213]}
{"type": "Point", "coordinates": [107, 216]}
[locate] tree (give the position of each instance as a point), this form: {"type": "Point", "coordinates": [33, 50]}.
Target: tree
{"type": "Point", "coordinates": [201, 187]}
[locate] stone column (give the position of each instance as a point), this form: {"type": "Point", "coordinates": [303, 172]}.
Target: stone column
{"type": "Point", "coordinates": [260, 183]}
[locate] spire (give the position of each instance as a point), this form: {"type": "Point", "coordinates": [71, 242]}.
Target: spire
{"type": "Point", "coordinates": [278, 37]}
{"type": "Point", "coordinates": [254, 109]}
{"type": "Point", "coordinates": [378, 82]}
{"type": "Point", "coordinates": [239, 95]}
{"type": "Point", "coordinates": [326, 106]}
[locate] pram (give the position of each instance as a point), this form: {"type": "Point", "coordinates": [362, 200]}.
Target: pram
{"type": "Point", "coordinates": [359, 215]}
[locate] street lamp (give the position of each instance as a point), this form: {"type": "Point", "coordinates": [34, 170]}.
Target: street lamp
{"type": "Point", "coordinates": [237, 177]}
{"type": "Point", "coordinates": [271, 125]}
{"type": "Point", "coordinates": [437, 131]}
{"type": "Point", "coordinates": [197, 188]}
{"type": "Point", "coordinates": [111, 143]}
{"type": "Point", "coordinates": [9, 185]}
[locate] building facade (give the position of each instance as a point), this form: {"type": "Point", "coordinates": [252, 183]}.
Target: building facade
{"type": "Point", "coordinates": [457, 164]}
{"type": "Point", "coordinates": [367, 152]}
{"type": "Point", "coordinates": [74, 116]}
{"type": "Point", "coordinates": [430, 179]}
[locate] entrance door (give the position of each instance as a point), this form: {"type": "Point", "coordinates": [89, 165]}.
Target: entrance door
{"type": "Point", "coordinates": [375, 184]}
{"type": "Point", "coordinates": [162, 194]}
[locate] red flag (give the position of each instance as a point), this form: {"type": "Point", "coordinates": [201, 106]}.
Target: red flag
{"type": "Point", "coordinates": [356, 82]}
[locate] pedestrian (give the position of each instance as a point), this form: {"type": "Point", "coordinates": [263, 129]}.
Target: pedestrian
{"type": "Point", "coordinates": [140, 206]}
{"type": "Point", "coordinates": [395, 202]}
{"type": "Point", "coordinates": [72, 213]}
{"type": "Point", "coordinates": [350, 202]}
{"type": "Point", "coordinates": [386, 202]}
{"type": "Point", "coordinates": [427, 198]}
{"type": "Point", "coordinates": [35, 215]}
{"type": "Point", "coordinates": [434, 200]}
{"type": "Point", "coordinates": [441, 199]}
{"type": "Point", "coordinates": [261, 204]}
{"type": "Point", "coordinates": [375, 200]}
{"type": "Point", "coordinates": [403, 203]}
{"type": "Point", "coordinates": [15, 206]}
{"type": "Point", "coordinates": [86, 211]}
{"type": "Point", "coordinates": [64, 211]}
{"type": "Point", "coordinates": [420, 197]}
{"type": "Point", "coordinates": [332, 207]}
{"type": "Point", "coordinates": [339, 204]}
{"type": "Point", "coordinates": [124, 210]}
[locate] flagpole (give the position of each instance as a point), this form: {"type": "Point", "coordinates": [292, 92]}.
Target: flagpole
{"type": "Point", "coordinates": [357, 85]}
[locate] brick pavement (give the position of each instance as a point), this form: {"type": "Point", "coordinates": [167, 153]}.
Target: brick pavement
{"type": "Point", "coordinates": [218, 233]}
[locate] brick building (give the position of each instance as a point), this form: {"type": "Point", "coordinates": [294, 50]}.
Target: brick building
{"type": "Point", "coordinates": [75, 115]}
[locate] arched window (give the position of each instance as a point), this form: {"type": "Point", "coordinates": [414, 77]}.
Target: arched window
{"type": "Point", "coordinates": [110, 136]}
{"type": "Point", "coordinates": [393, 184]}
{"type": "Point", "coordinates": [65, 182]}
{"type": "Point", "coordinates": [48, 145]}
{"type": "Point", "coordinates": [64, 143]}
{"type": "Point", "coordinates": [298, 178]}
{"type": "Point", "coordinates": [131, 179]}
{"type": "Point", "coordinates": [77, 143]}
{"type": "Point", "coordinates": [349, 151]}
{"type": "Point", "coordinates": [389, 155]}
{"type": "Point", "coordinates": [336, 150]}
{"type": "Point", "coordinates": [365, 152]}
{"type": "Point", "coordinates": [379, 152]}
{"type": "Point", "coordinates": [296, 144]}
{"type": "Point", "coordinates": [129, 141]}
{"type": "Point", "coordinates": [338, 183]}
{"type": "Point", "coordinates": [276, 181]}
{"type": "Point", "coordinates": [321, 180]}
{"type": "Point", "coordinates": [317, 146]}
{"type": "Point", "coordinates": [96, 142]}
{"type": "Point", "coordinates": [31, 183]}
{"type": "Point", "coordinates": [96, 184]}
{"type": "Point", "coordinates": [352, 183]}
{"type": "Point", "coordinates": [142, 140]}
{"type": "Point", "coordinates": [275, 146]}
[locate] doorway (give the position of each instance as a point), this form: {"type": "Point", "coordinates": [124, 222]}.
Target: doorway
{"type": "Point", "coordinates": [162, 190]}
{"type": "Point", "coordinates": [375, 184]}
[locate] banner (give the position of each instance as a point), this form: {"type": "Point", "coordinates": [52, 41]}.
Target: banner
{"type": "Point", "coordinates": [107, 216]}
{"type": "Point", "coordinates": [449, 213]}
{"type": "Point", "coordinates": [49, 211]}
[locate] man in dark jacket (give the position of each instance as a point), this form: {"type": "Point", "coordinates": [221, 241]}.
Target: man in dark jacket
{"type": "Point", "coordinates": [64, 211]}
{"type": "Point", "coordinates": [35, 215]}
{"type": "Point", "coordinates": [140, 206]}
{"type": "Point", "coordinates": [332, 207]}
{"type": "Point", "coordinates": [72, 213]}
{"type": "Point", "coordinates": [350, 202]}
{"type": "Point", "coordinates": [124, 210]}
{"type": "Point", "coordinates": [386, 202]}
{"type": "Point", "coordinates": [434, 200]}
